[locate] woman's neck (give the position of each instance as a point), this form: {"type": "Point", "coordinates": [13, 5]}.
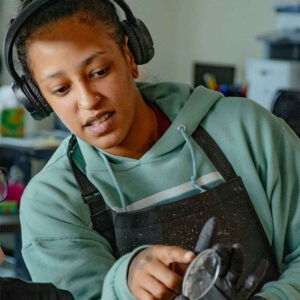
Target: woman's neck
{"type": "Point", "coordinates": [142, 135]}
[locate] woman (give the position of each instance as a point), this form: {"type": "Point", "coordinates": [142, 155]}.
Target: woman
{"type": "Point", "coordinates": [134, 144]}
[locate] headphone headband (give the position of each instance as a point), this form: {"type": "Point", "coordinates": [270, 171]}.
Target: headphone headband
{"type": "Point", "coordinates": [32, 8]}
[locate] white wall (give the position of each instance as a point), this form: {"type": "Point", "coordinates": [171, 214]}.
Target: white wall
{"type": "Point", "coordinates": [217, 31]}
{"type": "Point", "coordinates": [8, 10]}
{"type": "Point", "coordinates": [160, 16]}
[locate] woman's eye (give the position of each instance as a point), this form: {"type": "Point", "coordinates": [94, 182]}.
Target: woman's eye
{"type": "Point", "coordinates": [61, 91]}
{"type": "Point", "coordinates": [99, 73]}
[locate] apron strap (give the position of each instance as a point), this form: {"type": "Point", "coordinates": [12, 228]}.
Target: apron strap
{"type": "Point", "coordinates": [100, 214]}
{"type": "Point", "coordinates": [214, 153]}
{"type": "Point", "coordinates": [88, 191]}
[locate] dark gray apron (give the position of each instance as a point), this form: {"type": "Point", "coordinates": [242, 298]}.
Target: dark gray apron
{"type": "Point", "coordinates": [180, 222]}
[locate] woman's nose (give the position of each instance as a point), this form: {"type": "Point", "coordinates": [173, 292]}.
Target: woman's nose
{"type": "Point", "coordinates": [88, 98]}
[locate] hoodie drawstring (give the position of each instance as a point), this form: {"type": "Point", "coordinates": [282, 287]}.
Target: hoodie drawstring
{"type": "Point", "coordinates": [182, 130]}
{"type": "Point", "coordinates": [114, 179]}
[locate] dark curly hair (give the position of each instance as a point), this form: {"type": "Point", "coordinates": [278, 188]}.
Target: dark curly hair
{"type": "Point", "coordinates": [88, 11]}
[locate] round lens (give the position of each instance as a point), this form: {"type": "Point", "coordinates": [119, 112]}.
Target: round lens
{"type": "Point", "coordinates": [201, 274]}
{"type": "Point", "coordinates": [3, 184]}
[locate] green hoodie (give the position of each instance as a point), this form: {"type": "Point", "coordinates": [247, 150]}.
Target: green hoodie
{"type": "Point", "coordinates": [59, 244]}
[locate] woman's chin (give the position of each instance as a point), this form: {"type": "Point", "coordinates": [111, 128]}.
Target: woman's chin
{"type": "Point", "coordinates": [106, 142]}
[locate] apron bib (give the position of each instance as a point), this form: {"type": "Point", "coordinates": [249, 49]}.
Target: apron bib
{"type": "Point", "coordinates": [180, 222]}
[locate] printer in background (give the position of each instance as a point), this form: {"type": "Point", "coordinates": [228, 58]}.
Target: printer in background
{"type": "Point", "coordinates": [280, 70]}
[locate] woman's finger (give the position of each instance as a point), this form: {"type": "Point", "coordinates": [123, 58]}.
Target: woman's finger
{"type": "Point", "coordinates": [166, 276]}
{"type": "Point", "coordinates": [157, 289]}
{"type": "Point", "coordinates": [179, 268]}
{"type": "Point", "coordinates": [142, 294]}
{"type": "Point", "coordinates": [148, 272]}
{"type": "Point", "coordinates": [171, 254]}
{"type": "Point", "coordinates": [1, 256]}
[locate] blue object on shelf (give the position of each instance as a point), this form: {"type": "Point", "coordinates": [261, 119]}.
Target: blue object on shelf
{"type": "Point", "coordinates": [288, 8]}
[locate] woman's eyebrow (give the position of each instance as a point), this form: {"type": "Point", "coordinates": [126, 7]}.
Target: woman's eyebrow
{"type": "Point", "coordinates": [85, 62]}
{"type": "Point", "coordinates": [54, 75]}
{"type": "Point", "coordinates": [91, 58]}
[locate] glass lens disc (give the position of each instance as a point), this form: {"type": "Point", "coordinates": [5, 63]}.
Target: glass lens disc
{"type": "Point", "coordinates": [201, 274]}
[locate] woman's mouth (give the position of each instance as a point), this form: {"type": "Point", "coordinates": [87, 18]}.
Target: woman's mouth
{"type": "Point", "coordinates": [102, 119]}
{"type": "Point", "coordinates": [102, 124]}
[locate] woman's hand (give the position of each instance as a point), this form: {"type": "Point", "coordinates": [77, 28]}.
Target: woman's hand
{"type": "Point", "coordinates": [1, 256]}
{"type": "Point", "coordinates": [156, 272]}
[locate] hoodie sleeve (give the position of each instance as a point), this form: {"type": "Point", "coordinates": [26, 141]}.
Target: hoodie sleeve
{"type": "Point", "coordinates": [59, 248]}
{"type": "Point", "coordinates": [284, 195]}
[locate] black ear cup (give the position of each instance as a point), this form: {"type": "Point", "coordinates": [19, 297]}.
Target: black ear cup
{"type": "Point", "coordinates": [133, 43]}
{"type": "Point", "coordinates": [139, 41]}
{"type": "Point", "coordinates": [31, 98]}
{"type": "Point", "coordinates": [39, 97]}
{"type": "Point", "coordinates": [145, 39]}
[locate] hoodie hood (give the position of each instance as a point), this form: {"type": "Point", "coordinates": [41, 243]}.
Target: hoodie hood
{"type": "Point", "coordinates": [182, 104]}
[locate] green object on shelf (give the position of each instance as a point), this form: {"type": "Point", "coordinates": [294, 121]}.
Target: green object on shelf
{"type": "Point", "coordinates": [8, 207]}
{"type": "Point", "coordinates": [12, 122]}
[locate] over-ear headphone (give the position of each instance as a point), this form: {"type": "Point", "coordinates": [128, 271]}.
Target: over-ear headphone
{"type": "Point", "coordinates": [139, 42]}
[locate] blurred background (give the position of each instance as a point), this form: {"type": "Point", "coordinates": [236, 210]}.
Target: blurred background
{"type": "Point", "coordinates": [238, 47]}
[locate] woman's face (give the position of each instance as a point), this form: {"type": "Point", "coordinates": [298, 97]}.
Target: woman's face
{"type": "Point", "coordinates": [87, 80]}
